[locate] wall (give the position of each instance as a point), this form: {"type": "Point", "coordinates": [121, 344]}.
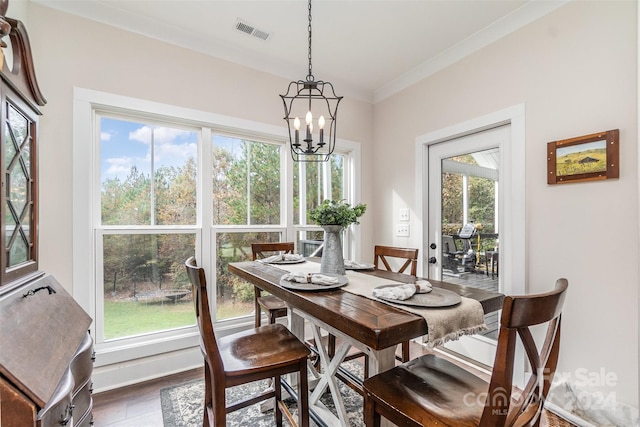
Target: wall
{"type": "Point", "coordinates": [74, 52]}
{"type": "Point", "coordinates": [575, 71]}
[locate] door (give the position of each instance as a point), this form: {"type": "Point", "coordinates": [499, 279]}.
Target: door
{"type": "Point", "coordinates": [464, 223]}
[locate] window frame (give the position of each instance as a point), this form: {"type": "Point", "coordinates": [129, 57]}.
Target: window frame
{"type": "Point", "coordinates": [88, 106]}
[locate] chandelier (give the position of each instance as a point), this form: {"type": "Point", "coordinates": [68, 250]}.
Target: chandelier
{"type": "Point", "coordinates": [316, 103]}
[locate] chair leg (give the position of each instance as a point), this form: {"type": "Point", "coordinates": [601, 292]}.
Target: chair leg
{"type": "Point", "coordinates": [371, 419]}
{"type": "Point", "coordinates": [303, 396]}
{"type": "Point", "coordinates": [278, 398]}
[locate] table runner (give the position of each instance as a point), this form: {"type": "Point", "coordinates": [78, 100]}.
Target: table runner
{"type": "Point", "coordinates": [444, 323]}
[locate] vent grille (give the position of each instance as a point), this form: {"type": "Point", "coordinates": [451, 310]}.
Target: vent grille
{"type": "Point", "coordinates": [251, 30]}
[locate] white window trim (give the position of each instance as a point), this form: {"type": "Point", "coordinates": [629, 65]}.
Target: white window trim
{"type": "Point", "coordinates": [85, 213]}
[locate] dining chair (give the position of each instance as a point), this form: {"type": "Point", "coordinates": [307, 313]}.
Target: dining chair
{"type": "Point", "coordinates": [430, 390]}
{"type": "Point", "coordinates": [381, 255]}
{"type": "Point", "coordinates": [273, 306]}
{"type": "Point", "coordinates": [261, 353]}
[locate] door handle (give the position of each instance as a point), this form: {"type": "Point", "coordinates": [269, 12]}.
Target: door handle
{"type": "Point", "coordinates": [433, 246]}
{"type": "Point", "coordinates": [432, 260]}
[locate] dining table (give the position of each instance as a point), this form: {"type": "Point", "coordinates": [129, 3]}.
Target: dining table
{"type": "Point", "coordinates": [355, 317]}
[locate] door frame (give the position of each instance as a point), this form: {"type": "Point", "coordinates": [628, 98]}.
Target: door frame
{"type": "Point", "coordinates": [512, 180]}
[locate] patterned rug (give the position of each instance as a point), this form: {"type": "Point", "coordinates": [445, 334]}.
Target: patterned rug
{"type": "Point", "coordinates": [182, 405]}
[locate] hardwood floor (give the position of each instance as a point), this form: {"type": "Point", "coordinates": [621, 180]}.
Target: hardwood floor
{"type": "Point", "coordinates": [139, 405]}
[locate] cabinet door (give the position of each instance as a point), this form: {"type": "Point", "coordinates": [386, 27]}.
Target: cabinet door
{"type": "Point", "coordinates": [19, 184]}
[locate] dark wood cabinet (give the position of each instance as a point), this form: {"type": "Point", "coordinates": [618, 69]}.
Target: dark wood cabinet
{"type": "Point", "coordinates": [46, 352]}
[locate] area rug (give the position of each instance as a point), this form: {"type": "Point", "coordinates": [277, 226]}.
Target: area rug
{"type": "Point", "coordinates": [182, 405]}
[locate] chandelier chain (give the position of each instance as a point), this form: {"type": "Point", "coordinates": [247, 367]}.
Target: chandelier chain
{"type": "Point", "coordinates": [310, 77]}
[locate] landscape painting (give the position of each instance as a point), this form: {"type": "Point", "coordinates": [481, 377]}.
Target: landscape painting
{"type": "Point", "coordinates": [584, 158]}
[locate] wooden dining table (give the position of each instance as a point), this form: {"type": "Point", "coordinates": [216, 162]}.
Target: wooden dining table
{"type": "Point", "coordinates": [372, 326]}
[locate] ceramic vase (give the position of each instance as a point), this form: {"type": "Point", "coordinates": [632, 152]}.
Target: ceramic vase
{"type": "Point", "coordinates": [332, 261]}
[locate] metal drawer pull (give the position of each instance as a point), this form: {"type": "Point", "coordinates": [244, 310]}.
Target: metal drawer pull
{"type": "Point", "coordinates": [33, 291]}
{"type": "Point", "coordinates": [68, 415]}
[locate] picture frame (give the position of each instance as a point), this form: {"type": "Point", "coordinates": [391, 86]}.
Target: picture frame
{"type": "Point", "coordinates": [584, 158]}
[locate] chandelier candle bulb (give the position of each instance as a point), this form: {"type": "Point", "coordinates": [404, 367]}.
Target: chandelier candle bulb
{"type": "Point", "coordinates": [321, 127]}
{"type": "Point", "coordinates": [296, 125]}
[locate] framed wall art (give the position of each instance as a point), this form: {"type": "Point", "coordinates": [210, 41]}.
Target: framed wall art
{"type": "Point", "coordinates": [584, 158]}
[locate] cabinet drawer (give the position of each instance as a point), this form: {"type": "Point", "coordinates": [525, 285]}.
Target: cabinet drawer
{"type": "Point", "coordinates": [59, 410]}
{"type": "Point", "coordinates": [82, 364]}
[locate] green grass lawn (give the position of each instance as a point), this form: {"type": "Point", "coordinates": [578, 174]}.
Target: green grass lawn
{"type": "Point", "coordinates": [128, 318]}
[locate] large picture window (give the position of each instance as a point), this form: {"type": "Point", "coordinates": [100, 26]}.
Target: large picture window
{"type": "Point", "coordinates": [168, 186]}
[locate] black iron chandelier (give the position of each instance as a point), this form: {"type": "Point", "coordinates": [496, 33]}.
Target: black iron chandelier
{"type": "Point", "coordinates": [317, 103]}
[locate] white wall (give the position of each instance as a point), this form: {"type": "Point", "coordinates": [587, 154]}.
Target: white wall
{"type": "Point", "coordinates": [575, 71]}
{"type": "Point", "coordinates": [74, 52]}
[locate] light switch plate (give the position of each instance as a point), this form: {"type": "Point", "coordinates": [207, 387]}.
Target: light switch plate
{"type": "Point", "coordinates": [402, 230]}
{"type": "Point", "coordinates": [404, 214]}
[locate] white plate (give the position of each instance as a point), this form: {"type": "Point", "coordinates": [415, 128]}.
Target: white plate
{"type": "Point", "coordinates": [438, 297]}
{"type": "Point", "coordinates": [364, 266]}
{"type": "Point", "coordinates": [295, 286]}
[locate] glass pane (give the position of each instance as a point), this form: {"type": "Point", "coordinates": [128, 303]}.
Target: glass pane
{"type": "Point", "coordinates": [125, 172]}
{"type": "Point", "coordinates": [146, 288]}
{"type": "Point", "coordinates": [17, 151]}
{"type": "Point", "coordinates": [314, 186]}
{"type": "Point", "coordinates": [337, 177]}
{"type": "Point", "coordinates": [234, 296]}
{"type": "Point", "coordinates": [246, 182]}
{"type": "Point", "coordinates": [19, 251]}
{"type": "Point", "coordinates": [264, 181]}
{"type": "Point", "coordinates": [175, 170]}
{"type": "Point", "coordinates": [18, 188]}
{"type": "Point", "coordinates": [469, 220]}
{"type": "Point", "coordinates": [130, 154]}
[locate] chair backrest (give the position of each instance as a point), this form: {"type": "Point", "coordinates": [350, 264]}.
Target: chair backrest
{"type": "Point", "coordinates": [380, 253]}
{"type": "Point", "coordinates": [208, 343]}
{"type": "Point", "coordinates": [519, 313]}
{"type": "Point", "coordinates": [263, 250]}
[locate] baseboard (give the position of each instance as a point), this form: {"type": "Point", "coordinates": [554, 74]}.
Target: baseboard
{"type": "Point", "coordinates": [118, 375]}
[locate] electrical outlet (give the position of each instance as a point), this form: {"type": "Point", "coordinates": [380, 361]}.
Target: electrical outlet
{"type": "Point", "coordinates": [404, 214]}
{"type": "Point", "coordinates": [402, 230]}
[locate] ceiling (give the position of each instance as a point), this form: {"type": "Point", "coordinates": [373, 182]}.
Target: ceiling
{"type": "Point", "coordinates": [368, 49]}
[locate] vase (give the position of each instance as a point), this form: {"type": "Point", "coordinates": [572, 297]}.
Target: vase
{"type": "Point", "coordinates": [332, 261]}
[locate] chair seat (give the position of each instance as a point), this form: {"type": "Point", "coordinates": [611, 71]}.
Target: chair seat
{"type": "Point", "coordinates": [273, 303]}
{"type": "Point", "coordinates": [430, 391]}
{"type": "Point", "coordinates": [260, 351]}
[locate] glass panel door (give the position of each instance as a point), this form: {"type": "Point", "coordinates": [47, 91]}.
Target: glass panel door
{"type": "Point", "coordinates": [464, 222]}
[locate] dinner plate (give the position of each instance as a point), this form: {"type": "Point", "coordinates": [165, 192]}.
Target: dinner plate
{"type": "Point", "coordinates": [362, 266]}
{"type": "Point", "coordinates": [342, 280]}
{"type": "Point", "coordinates": [438, 297]}
{"type": "Point", "coordinates": [292, 261]}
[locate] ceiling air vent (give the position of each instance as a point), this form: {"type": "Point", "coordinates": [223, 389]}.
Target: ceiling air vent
{"type": "Point", "coordinates": [251, 30]}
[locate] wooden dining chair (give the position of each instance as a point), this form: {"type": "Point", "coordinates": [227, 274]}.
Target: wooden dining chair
{"type": "Point", "coordinates": [410, 255]}
{"type": "Point", "coordinates": [266, 352]}
{"type": "Point", "coordinates": [430, 390]}
{"type": "Point", "coordinates": [380, 255]}
{"type": "Point", "coordinates": [380, 259]}
{"type": "Point", "coordinates": [273, 306]}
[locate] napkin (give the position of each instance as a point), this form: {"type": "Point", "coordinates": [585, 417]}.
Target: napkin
{"type": "Point", "coordinates": [355, 264]}
{"type": "Point", "coordinates": [403, 292]}
{"type": "Point", "coordinates": [282, 257]}
{"type": "Point", "coordinates": [316, 279]}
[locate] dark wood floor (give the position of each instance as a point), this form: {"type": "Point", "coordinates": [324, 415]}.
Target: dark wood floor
{"type": "Point", "coordinates": [139, 405]}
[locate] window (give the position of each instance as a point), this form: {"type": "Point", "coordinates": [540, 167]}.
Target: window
{"type": "Point", "coordinates": [147, 197]}
{"type": "Point", "coordinates": [170, 183]}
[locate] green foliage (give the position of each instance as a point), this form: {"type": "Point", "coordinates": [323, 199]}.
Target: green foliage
{"type": "Point", "coordinates": [332, 212]}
